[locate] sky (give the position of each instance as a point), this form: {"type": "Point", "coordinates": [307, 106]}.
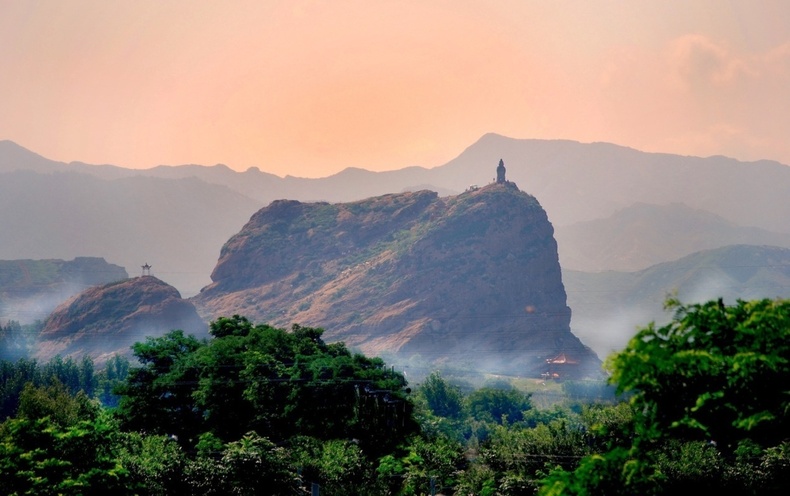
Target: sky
{"type": "Point", "coordinates": [308, 88]}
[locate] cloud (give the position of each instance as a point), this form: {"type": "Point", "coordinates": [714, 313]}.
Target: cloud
{"type": "Point", "coordinates": [697, 95]}
{"type": "Point", "coordinates": [697, 62]}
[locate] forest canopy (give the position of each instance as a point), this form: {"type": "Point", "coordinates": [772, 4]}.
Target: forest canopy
{"type": "Point", "coordinates": [702, 404]}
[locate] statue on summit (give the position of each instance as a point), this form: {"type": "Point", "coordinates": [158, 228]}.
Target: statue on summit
{"type": "Point", "coordinates": [500, 172]}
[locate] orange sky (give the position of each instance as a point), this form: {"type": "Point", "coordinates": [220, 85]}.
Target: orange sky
{"type": "Point", "coordinates": [309, 88]}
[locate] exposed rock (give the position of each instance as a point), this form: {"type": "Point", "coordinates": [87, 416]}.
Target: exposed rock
{"type": "Point", "coordinates": [472, 279]}
{"type": "Point", "coordinates": [106, 320]}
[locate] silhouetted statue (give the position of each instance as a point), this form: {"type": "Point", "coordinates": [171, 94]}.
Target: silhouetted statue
{"type": "Point", "coordinates": [500, 172]}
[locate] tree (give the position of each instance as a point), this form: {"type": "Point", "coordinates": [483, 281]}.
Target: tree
{"type": "Point", "coordinates": [155, 464]}
{"type": "Point", "coordinates": [442, 398]}
{"type": "Point", "coordinates": [257, 378]}
{"type": "Point", "coordinates": [55, 402]}
{"type": "Point", "coordinates": [59, 445]}
{"type": "Point", "coordinates": [157, 397]}
{"type": "Point", "coordinates": [715, 372]}
{"type": "Point", "coordinates": [498, 405]}
{"type": "Point", "coordinates": [13, 377]}
{"type": "Point", "coordinates": [16, 340]}
{"type": "Point", "coordinates": [107, 380]}
{"type": "Point", "coordinates": [253, 465]}
{"type": "Point", "coordinates": [710, 397]}
{"type": "Point", "coordinates": [338, 466]}
{"type": "Point", "coordinates": [429, 466]}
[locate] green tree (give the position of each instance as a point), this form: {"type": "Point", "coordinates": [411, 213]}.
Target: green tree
{"type": "Point", "coordinates": [338, 466]}
{"type": "Point", "coordinates": [108, 379]}
{"type": "Point", "coordinates": [59, 445]}
{"type": "Point", "coordinates": [157, 397]}
{"type": "Point", "coordinates": [498, 405]}
{"type": "Point", "coordinates": [716, 372]}
{"type": "Point", "coordinates": [442, 398]}
{"type": "Point", "coordinates": [16, 340]}
{"type": "Point", "coordinates": [13, 377]}
{"type": "Point", "coordinates": [429, 466]}
{"type": "Point", "coordinates": [258, 378]}
{"type": "Point", "coordinates": [55, 402]}
{"type": "Point", "coordinates": [156, 465]}
{"type": "Point", "coordinates": [253, 465]}
{"type": "Point", "coordinates": [704, 388]}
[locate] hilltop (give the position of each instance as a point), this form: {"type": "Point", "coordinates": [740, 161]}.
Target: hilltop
{"type": "Point", "coordinates": [471, 279]}
{"type": "Point", "coordinates": [106, 320]}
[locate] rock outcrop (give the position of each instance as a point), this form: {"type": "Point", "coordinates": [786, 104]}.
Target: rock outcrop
{"type": "Point", "coordinates": [106, 320]}
{"type": "Point", "coordinates": [472, 279]}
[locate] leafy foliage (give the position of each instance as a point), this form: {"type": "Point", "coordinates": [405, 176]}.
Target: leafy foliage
{"type": "Point", "coordinates": [498, 405]}
{"type": "Point", "coordinates": [259, 410]}
{"type": "Point", "coordinates": [256, 378]}
{"type": "Point", "coordinates": [337, 466]}
{"type": "Point", "coordinates": [712, 401]}
{"type": "Point", "coordinates": [74, 375]}
{"type": "Point", "coordinates": [427, 467]}
{"type": "Point", "coordinates": [715, 372]}
{"type": "Point", "coordinates": [16, 340]}
{"type": "Point", "coordinates": [59, 445]}
{"type": "Point", "coordinates": [443, 399]}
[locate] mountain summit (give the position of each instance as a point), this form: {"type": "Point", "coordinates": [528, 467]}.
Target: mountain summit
{"type": "Point", "coordinates": [472, 279]}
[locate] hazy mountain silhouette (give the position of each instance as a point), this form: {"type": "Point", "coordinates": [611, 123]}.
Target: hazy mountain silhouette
{"type": "Point", "coordinates": [608, 306]}
{"type": "Point", "coordinates": [31, 289]}
{"type": "Point", "coordinates": [574, 181]}
{"type": "Point", "coordinates": [178, 217]}
{"type": "Point", "coordinates": [642, 235]}
{"type": "Point", "coordinates": [178, 226]}
{"type": "Point", "coordinates": [107, 320]}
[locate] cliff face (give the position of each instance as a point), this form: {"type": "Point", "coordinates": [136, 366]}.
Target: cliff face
{"type": "Point", "coordinates": [473, 279]}
{"type": "Point", "coordinates": [107, 320]}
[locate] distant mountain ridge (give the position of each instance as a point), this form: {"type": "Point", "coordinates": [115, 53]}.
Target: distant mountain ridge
{"type": "Point", "coordinates": [609, 306]}
{"type": "Point", "coordinates": [178, 226]}
{"type": "Point", "coordinates": [31, 289]}
{"type": "Point", "coordinates": [177, 218]}
{"type": "Point", "coordinates": [643, 235]}
{"type": "Point", "coordinates": [575, 181]}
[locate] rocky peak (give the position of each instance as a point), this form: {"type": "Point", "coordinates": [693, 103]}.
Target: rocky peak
{"type": "Point", "coordinates": [473, 278]}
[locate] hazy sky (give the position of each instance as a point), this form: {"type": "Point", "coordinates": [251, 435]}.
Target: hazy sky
{"type": "Point", "coordinates": [309, 88]}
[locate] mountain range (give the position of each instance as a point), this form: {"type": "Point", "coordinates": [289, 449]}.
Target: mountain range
{"type": "Point", "coordinates": [31, 289]}
{"type": "Point", "coordinates": [609, 306]}
{"type": "Point", "coordinates": [574, 181]}
{"type": "Point", "coordinates": [642, 235]}
{"type": "Point", "coordinates": [612, 207]}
